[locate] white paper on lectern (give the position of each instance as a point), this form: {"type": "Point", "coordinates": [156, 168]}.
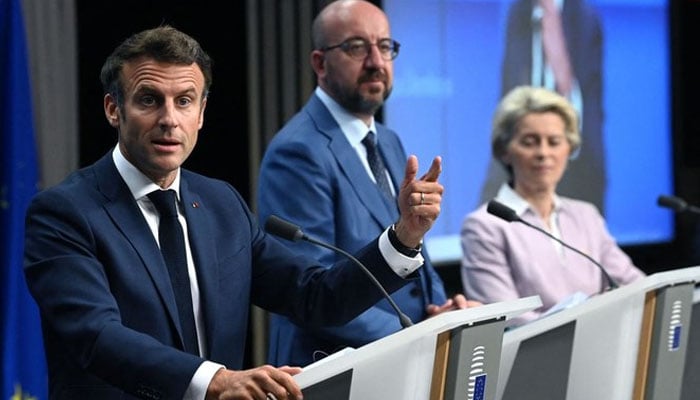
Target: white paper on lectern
{"type": "Point", "coordinates": [568, 302]}
{"type": "Point", "coordinates": [403, 361]}
{"type": "Point", "coordinates": [325, 360]}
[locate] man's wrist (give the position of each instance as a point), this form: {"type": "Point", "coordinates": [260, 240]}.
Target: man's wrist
{"type": "Point", "coordinates": [400, 247]}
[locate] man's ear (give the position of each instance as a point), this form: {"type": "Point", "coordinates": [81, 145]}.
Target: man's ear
{"type": "Point", "coordinates": [111, 110]}
{"type": "Point", "coordinates": [318, 62]}
{"type": "Point", "coordinates": [201, 112]}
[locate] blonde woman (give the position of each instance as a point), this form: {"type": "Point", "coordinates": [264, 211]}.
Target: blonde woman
{"type": "Point", "coordinates": [535, 131]}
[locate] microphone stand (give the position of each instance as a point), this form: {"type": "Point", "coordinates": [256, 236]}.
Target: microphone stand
{"type": "Point", "coordinates": [403, 318]}
{"type": "Point", "coordinates": [286, 230]}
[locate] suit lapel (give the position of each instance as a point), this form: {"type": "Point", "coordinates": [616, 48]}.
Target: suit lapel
{"type": "Point", "coordinates": [394, 160]}
{"type": "Point", "coordinates": [381, 209]}
{"type": "Point", "coordinates": [127, 216]}
{"type": "Point", "coordinates": [203, 253]}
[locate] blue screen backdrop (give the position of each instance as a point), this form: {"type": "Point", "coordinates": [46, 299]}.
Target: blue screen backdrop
{"type": "Point", "coordinates": [447, 84]}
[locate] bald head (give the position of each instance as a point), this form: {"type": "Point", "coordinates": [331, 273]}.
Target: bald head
{"type": "Point", "coordinates": [334, 19]}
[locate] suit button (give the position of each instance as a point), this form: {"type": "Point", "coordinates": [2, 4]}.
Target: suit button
{"type": "Point", "coordinates": [415, 292]}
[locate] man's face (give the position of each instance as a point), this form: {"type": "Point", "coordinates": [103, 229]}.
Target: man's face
{"type": "Point", "coordinates": [162, 113]}
{"type": "Point", "coordinates": [359, 85]}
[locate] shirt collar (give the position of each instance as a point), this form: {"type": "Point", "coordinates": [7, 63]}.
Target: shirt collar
{"type": "Point", "coordinates": [509, 197]}
{"type": "Point", "coordinates": [139, 184]}
{"type": "Point", "coordinates": [353, 128]}
{"type": "Point", "coordinates": [537, 9]}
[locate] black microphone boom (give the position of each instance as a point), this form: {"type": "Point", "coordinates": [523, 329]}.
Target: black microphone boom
{"type": "Point", "coordinates": [676, 204]}
{"type": "Point", "coordinates": [502, 211]}
{"type": "Point", "coordinates": [286, 230]}
{"type": "Point", "coordinates": [281, 228]}
{"type": "Point", "coordinates": [508, 214]}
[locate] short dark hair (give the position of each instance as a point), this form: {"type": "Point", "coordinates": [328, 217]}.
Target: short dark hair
{"type": "Point", "coordinates": [163, 44]}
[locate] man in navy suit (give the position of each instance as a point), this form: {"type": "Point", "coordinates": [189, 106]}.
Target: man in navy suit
{"type": "Point", "coordinates": [110, 315]}
{"type": "Point", "coordinates": [315, 173]}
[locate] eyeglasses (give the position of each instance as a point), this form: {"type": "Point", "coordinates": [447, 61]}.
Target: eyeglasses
{"type": "Point", "coordinates": [359, 48]}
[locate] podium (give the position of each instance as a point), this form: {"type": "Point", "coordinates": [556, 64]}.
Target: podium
{"type": "Point", "coordinates": [628, 343]}
{"type": "Point", "coordinates": [454, 355]}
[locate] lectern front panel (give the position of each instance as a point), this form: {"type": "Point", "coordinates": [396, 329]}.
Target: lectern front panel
{"type": "Point", "coordinates": [541, 366]}
{"type": "Point", "coordinates": [473, 361]}
{"type": "Point", "coordinates": [336, 387]}
{"type": "Point", "coordinates": [691, 374]}
{"type": "Point", "coordinates": [669, 342]}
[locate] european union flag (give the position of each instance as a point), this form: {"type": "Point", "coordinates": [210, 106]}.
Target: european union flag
{"type": "Point", "coordinates": [24, 373]}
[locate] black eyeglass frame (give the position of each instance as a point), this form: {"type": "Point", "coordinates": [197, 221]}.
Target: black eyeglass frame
{"type": "Point", "coordinates": [394, 47]}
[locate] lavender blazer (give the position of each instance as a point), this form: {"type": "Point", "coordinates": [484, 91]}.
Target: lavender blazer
{"type": "Point", "coordinates": [505, 261]}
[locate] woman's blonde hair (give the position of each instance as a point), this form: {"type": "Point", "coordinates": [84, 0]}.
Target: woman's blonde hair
{"type": "Point", "coordinates": [524, 100]}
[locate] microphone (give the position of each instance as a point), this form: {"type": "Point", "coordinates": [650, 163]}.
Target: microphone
{"type": "Point", "coordinates": [508, 214]}
{"type": "Point", "coordinates": [286, 230]}
{"type": "Point", "coordinates": [676, 204]}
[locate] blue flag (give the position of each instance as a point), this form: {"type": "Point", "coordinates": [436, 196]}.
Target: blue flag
{"type": "Point", "coordinates": [24, 373]}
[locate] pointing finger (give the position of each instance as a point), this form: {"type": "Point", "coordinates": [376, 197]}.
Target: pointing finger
{"type": "Point", "coordinates": [434, 172]}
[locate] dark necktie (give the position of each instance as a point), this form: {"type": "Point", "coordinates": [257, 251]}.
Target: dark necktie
{"type": "Point", "coordinates": [172, 247]}
{"type": "Point", "coordinates": [377, 165]}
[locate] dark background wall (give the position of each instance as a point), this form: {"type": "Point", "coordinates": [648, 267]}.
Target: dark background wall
{"type": "Point", "coordinates": [223, 145]}
{"type": "Point", "coordinates": [686, 125]}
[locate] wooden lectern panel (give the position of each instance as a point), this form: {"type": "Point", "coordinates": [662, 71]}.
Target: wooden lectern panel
{"type": "Point", "coordinates": [645, 337]}
{"type": "Point", "coordinates": [442, 350]}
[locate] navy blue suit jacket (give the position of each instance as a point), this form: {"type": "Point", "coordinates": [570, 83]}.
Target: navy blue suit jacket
{"type": "Point", "coordinates": [312, 176]}
{"type": "Point", "coordinates": [107, 307]}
